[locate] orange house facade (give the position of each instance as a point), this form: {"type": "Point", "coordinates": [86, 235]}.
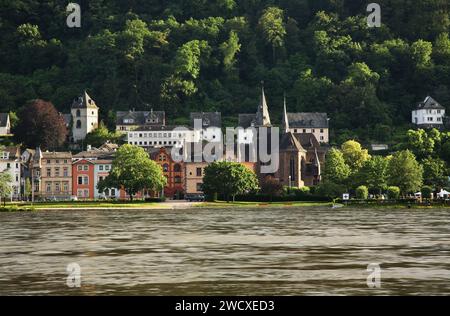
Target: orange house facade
{"type": "Point", "coordinates": [83, 179]}
{"type": "Point", "coordinates": [173, 171]}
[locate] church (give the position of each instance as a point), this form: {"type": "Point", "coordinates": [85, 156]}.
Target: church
{"type": "Point", "coordinates": [303, 144]}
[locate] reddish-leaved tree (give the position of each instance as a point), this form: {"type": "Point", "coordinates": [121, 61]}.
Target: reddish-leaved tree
{"type": "Point", "coordinates": [40, 124]}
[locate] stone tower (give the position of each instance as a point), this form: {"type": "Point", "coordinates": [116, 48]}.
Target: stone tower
{"type": "Point", "coordinates": [84, 117]}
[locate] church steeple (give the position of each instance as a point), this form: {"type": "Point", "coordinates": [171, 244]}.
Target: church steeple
{"type": "Point", "coordinates": [285, 120]}
{"type": "Point", "coordinates": [262, 115]}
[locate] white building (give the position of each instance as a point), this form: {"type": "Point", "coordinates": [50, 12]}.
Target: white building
{"type": "Point", "coordinates": [84, 117]}
{"type": "Point", "coordinates": [205, 126]}
{"type": "Point", "coordinates": [10, 162]}
{"type": "Point", "coordinates": [429, 114]}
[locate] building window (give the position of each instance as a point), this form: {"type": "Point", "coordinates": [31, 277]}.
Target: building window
{"type": "Point", "coordinates": [177, 179]}
{"type": "Point", "coordinates": [86, 168]}
{"type": "Point", "coordinates": [177, 168]}
{"type": "Point", "coordinates": [48, 187]}
{"type": "Point", "coordinates": [85, 180]}
{"type": "Point", "coordinates": [430, 119]}
{"type": "Point", "coordinates": [80, 168]}
{"type": "Point", "coordinates": [100, 168]}
{"type": "Point", "coordinates": [80, 180]}
{"type": "Point", "coordinates": [49, 172]}
{"type": "Point", "coordinates": [199, 172]}
{"type": "Point", "coordinates": [166, 168]}
{"type": "Point", "coordinates": [107, 168]}
{"type": "Point", "coordinates": [199, 187]}
{"type": "Point", "coordinates": [80, 193]}
{"type": "Point", "coordinates": [113, 192]}
{"type": "Point", "coordinates": [66, 172]}
{"type": "Point", "coordinates": [56, 172]}
{"type": "Point", "coordinates": [78, 113]}
{"type": "Point", "coordinates": [78, 124]}
{"type": "Point", "coordinates": [57, 187]}
{"type": "Point", "coordinates": [65, 186]}
{"type": "Point", "coordinates": [8, 165]}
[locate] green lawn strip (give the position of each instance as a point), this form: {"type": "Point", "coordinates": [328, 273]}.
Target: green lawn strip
{"type": "Point", "coordinates": [40, 206]}
{"type": "Point", "coordinates": [223, 204]}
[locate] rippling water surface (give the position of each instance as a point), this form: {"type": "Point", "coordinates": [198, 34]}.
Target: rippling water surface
{"type": "Point", "coordinates": [226, 252]}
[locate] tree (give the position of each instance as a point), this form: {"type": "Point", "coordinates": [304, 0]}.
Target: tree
{"type": "Point", "coordinates": [133, 171]}
{"type": "Point", "coordinates": [102, 135]}
{"type": "Point", "coordinates": [354, 155]}
{"type": "Point", "coordinates": [41, 125]}
{"type": "Point", "coordinates": [393, 192]}
{"type": "Point", "coordinates": [362, 192]}
{"type": "Point", "coordinates": [273, 27]}
{"type": "Point", "coordinates": [228, 179]}
{"type": "Point", "coordinates": [434, 172]}
{"type": "Point", "coordinates": [373, 173]}
{"type": "Point", "coordinates": [421, 142]}
{"type": "Point", "coordinates": [5, 185]}
{"type": "Point", "coordinates": [336, 170]}
{"type": "Point", "coordinates": [405, 172]}
{"type": "Point", "coordinates": [229, 50]}
{"type": "Point", "coordinates": [426, 191]}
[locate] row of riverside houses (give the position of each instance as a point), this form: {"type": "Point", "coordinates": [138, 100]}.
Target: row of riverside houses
{"type": "Point", "coordinates": [63, 175]}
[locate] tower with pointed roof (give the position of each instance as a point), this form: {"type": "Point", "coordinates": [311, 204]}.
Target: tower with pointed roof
{"type": "Point", "coordinates": [84, 117]}
{"type": "Point", "coordinates": [262, 118]}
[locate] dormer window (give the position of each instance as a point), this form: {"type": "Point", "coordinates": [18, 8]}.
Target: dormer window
{"type": "Point", "coordinates": [4, 155]}
{"type": "Point", "coordinates": [128, 121]}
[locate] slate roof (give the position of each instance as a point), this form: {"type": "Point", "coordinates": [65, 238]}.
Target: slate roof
{"type": "Point", "coordinates": [308, 140]}
{"type": "Point", "coordinates": [155, 118]}
{"type": "Point", "coordinates": [246, 120]}
{"type": "Point", "coordinates": [289, 142]}
{"type": "Point", "coordinates": [67, 118]}
{"type": "Point", "coordinates": [84, 102]}
{"type": "Point", "coordinates": [430, 103]}
{"type": "Point", "coordinates": [3, 119]}
{"type": "Point", "coordinates": [14, 152]}
{"type": "Point", "coordinates": [94, 154]}
{"type": "Point", "coordinates": [209, 119]}
{"type": "Point", "coordinates": [308, 120]}
{"type": "Point", "coordinates": [56, 155]}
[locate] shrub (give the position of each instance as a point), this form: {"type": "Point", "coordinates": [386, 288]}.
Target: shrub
{"type": "Point", "coordinates": [393, 193]}
{"type": "Point", "coordinates": [362, 192]}
{"type": "Point", "coordinates": [426, 192]}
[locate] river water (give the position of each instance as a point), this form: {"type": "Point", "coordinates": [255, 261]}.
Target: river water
{"type": "Point", "coordinates": [293, 251]}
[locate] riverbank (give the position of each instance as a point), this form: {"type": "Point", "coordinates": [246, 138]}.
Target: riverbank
{"type": "Point", "coordinates": [184, 205]}
{"type": "Point", "coordinates": [168, 205]}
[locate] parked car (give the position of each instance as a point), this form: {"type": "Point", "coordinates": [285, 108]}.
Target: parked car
{"type": "Point", "coordinates": [195, 197]}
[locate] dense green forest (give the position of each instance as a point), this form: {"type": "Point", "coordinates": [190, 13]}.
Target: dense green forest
{"type": "Point", "coordinates": [211, 55]}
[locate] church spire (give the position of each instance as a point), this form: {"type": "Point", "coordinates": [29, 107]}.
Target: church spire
{"type": "Point", "coordinates": [285, 120]}
{"type": "Point", "coordinates": [262, 116]}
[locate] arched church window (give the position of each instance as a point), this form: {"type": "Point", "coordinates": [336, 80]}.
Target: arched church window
{"type": "Point", "coordinates": [78, 124]}
{"type": "Point", "coordinates": [78, 113]}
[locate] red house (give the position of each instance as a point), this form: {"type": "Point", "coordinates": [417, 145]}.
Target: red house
{"type": "Point", "coordinates": [173, 171]}
{"type": "Point", "coordinates": [83, 179]}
